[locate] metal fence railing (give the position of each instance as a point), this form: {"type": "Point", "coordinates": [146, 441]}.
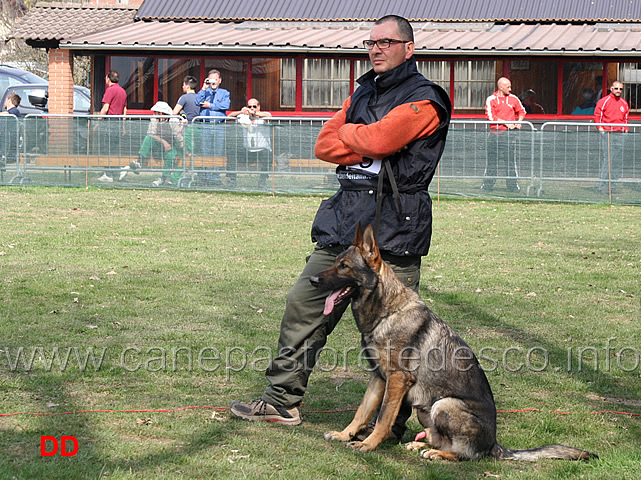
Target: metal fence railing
{"type": "Point", "coordinates": [92, 150]}
{"type": "Point", "coordinates": [10, 137]}
{"type": "Point", "coordinates": [558, 161]}
{"type": "Point", "coordinates": [476, 151]}
{"type": "Point", "coordinates": [578, 161]}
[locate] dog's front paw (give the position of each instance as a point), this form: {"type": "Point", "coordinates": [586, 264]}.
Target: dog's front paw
{"type": "Point", "coordinates": [361, 446]}
{"type": "Point", "coordinates": [337, 436]}
{"type": "Point", "coordinates": [413, 446]}
{"type": "Point", "coordinates": [429, 454]}
{"type": "Point", "coordinates": [433, 454]}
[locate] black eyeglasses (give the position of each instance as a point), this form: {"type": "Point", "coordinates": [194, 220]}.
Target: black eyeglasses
{"type": "Point", "coordinates": [617, 88]}
{"type": "Point", "coordinates": [252, 106]}
{"type": "Point", "coordinates": [383, 43]}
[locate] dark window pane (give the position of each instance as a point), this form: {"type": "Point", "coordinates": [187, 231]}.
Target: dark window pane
{"type": "Point", "coordinates": [137, 78]}
{"type": "Point", "coordinates": [234, 75]}
{"type": "Point", "coordinates": [579, 79]}
{"type": "Point", "coordinates": [171, 72]}
{"type": "Point", "coordinates": [266, 84]}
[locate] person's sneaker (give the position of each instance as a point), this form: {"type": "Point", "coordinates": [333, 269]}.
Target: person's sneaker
{"type": "Point", "coordinates": [369, 428]}
{"type": "Point", "coordinates": [259, 410]}
{"type": "Point", "coordinates": [123, 173]}
{"type": "Point", "coordinates": [105, 178]}
{"type": "Point", "coordinates": [134, 166]}
{"type": "Point", "coordinates": [514, 188]}
{"type": "Point", "coordinates": [486, 188]}
{"type": "Point", "coordinates": [157, 183]}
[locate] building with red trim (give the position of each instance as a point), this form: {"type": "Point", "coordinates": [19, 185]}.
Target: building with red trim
{"type": "Point", "coordinates": [303, 58]}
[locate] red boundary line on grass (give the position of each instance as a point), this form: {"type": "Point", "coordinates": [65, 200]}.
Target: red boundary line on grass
{"type": "Point", "coordinates": [170, 410]}
{"type": "Point", "coordinates": [570, 413]}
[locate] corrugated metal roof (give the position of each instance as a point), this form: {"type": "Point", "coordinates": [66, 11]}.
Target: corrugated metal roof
{"type": "Point", "coordinates": [431, 38]}
{"type": "Point", "coordinates": [112, 27]}
{"type": "Point", "coordinates": [55, 21]}
{"type": "Point", "coordinates": [415, 10]}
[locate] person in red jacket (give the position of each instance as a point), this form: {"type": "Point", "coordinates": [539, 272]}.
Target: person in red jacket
{"type": "Point", "coordinates": [502, 106]}
{"type": "Point", "coordinates": [612, 109]}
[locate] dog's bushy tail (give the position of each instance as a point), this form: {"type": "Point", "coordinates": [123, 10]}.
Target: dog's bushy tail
{"type": "Point", "coordinates": [559, 452]}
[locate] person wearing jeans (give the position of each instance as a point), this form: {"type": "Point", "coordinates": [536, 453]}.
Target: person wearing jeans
{"type": "Point", "coordinates": [214, 102]}
{"type": "Point", "coordinates": [615, 110]}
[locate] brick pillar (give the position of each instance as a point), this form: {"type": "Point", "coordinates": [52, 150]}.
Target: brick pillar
{"type": "Point", "coordinates": [60, 101]}
{"type": "Point", "coordinates": [60, 81]}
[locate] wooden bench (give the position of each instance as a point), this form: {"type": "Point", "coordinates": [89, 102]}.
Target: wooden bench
{"type": "Point", "coordinates": [199, 162]}
{"type": "Point", "coordinates": [312, 164]}
{"type": "Point", "coordinates": [80, 161]}
{"type": "Point", "coordinates": [89, 161]}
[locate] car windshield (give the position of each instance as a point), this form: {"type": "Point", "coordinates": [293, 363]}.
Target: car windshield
{"type": "Point", "coordinates": [27, 94]}
{"type": "Point", "coordinates": [29, 77]}
{"type": "Point", "coordinates": [14, 76]}
{"type": "Point", "coordinates": [31, 96]}
{"type": "Point", "coordinates": [80, 102]}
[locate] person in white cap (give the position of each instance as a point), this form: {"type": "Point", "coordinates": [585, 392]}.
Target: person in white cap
{"type": "Point", "coordinates": [164, 140]}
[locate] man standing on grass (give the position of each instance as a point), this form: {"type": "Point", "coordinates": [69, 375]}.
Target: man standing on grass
{"type": "Point", "coordinates": [114, 102]}
{"type": "Point", "coordinates": [502, 106]}
{"type": "Point", "coordinates": [213, 101]}
{"type": "Point", "coordinates": [611, 109]}
{"type": "Point", "coordinates": [393, 125]}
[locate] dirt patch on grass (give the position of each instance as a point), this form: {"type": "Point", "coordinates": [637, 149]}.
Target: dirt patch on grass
{"type": "Point", "coordinates": [618, 401]}
{"type": "Point", "coordinates": [11, 424]}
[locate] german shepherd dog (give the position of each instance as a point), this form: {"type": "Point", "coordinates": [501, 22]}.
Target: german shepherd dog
{"type": "Point", "coordinates": [416, 356]}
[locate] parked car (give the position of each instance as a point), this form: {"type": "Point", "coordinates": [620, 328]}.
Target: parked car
{"type": "Point", "coordinates": [10, 76]}
{"type": "Point", "coordinates": [34, 99]}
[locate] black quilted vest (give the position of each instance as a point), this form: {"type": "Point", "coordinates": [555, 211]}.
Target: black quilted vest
{"type": "Point", "coordinates": [408, 234]}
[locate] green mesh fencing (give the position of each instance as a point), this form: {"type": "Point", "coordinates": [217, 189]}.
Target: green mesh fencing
{"type": "Point", "coordinates": [577, 162]}
{"type": "Point", "coordinates": [10, 134]}
{"type": "Point", "coordinates": [559, 161]}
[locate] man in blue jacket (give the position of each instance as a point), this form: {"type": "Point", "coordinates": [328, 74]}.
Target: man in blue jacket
{"type": "Point", "coordinates": [213, 102]}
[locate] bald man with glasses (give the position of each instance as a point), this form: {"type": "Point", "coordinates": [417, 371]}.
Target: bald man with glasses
{"type": "Point", "coordinates": [256, 140]}
{"type": "Point", "coordinates": [611, 109]}
{"type": "Point", "coordinates": [386, 142]}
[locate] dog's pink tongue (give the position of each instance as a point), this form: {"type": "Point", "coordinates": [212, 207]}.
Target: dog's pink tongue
{"type": "Point", "coordinates": [420, 436]}
{"type": "Point", "coordinates": [329, 302]}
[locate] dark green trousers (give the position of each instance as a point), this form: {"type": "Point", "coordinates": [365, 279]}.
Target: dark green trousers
{"type": "Point", "coordinates": [304, 328]}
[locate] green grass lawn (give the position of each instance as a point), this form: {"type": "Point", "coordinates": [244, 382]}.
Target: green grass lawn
{"type": "Point", "coordinates": [160, 300]}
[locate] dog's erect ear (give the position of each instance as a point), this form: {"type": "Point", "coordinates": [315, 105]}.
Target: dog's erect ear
{"type": "Point", "coordinates": [358, 236]}
{"type": "Point", "coordinates": [369, 245]}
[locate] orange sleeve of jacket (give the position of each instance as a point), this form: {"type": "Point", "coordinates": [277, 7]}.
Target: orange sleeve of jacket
{"type": "Point", "coordinates": [331, 148]}
{"type": "Point", "coordinates": [350, 142]}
